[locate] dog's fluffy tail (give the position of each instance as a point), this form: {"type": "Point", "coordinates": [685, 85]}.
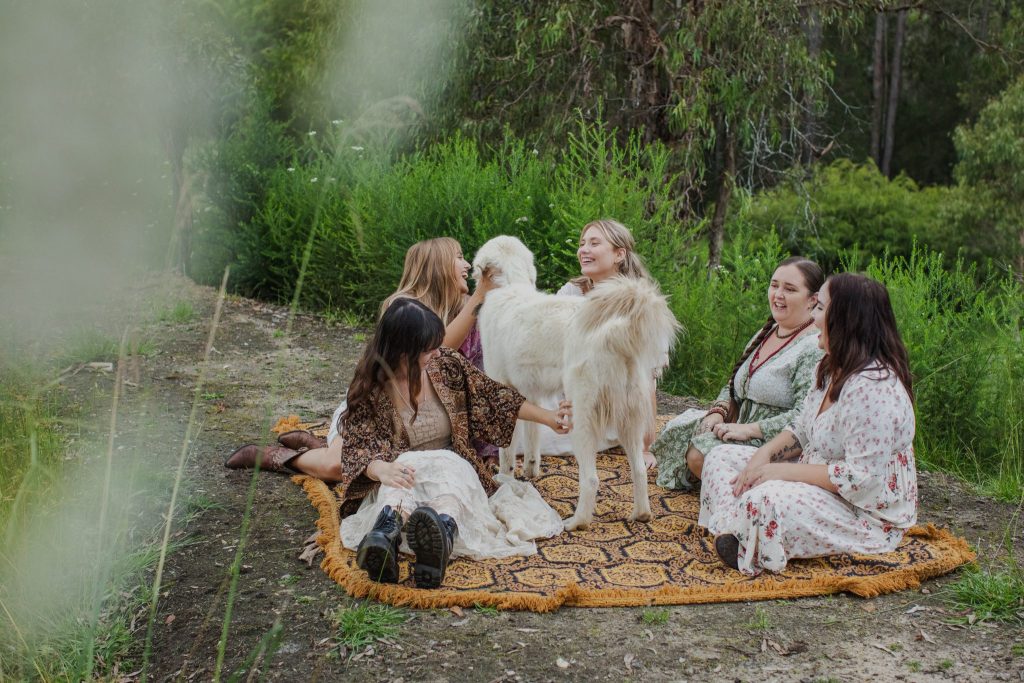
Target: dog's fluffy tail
{"type": "Point", "coordinates": [629, 317]}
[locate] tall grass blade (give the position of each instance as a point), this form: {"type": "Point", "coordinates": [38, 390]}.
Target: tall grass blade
{"type": "Point", "coordinates": [179, 473]}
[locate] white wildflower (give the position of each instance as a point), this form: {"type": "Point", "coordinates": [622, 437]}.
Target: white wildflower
{"type": "Point", "coordinates": [356, 148]}
{"type": "Point", "coordinates": [336, 122]}
{"type": "Point", "coordinates": [312, 133]}
{"type": "Point", "coordinates": [290, 169]}
{"type": "Point", "coordinates": [522, 219]}
{"type": "Point", "coordinates": [313, 179]}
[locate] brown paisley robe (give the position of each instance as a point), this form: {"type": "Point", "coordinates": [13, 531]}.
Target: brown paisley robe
{"type": "Point", "coordinates": [478, 407]}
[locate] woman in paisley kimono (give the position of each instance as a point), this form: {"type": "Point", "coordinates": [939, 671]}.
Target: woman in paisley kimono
{"type": "Point", "coordinates": [841, 478]}
{"type": "Point", "coordinates": [767, 387]}
{"type": "Point", "coordinates": [436, 274]}
{"type": "Point", "coordinates": [413, 409]}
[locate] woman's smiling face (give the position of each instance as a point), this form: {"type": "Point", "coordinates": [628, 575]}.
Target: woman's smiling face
{"type": "Point", "coordinates": [789, 298]}
{"type": "Point", "coordinates": [599, 260]}
{"type": "Point", "coordinates": [819, 312]}
{"type": "Point", "coordinates": [462, 267]}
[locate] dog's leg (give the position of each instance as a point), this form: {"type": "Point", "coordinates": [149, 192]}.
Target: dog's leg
{"type": "Point", "coordinates": [531, 451]}
{"type": "Point", "coordinates": [507, 456]}
{"type": "Point", "coordinates": [584, 446]}
{"type": "Point", "coordinates": [634, 447]}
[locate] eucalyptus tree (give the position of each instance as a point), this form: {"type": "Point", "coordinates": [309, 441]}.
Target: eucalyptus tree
{"type": "Point", "coordinates": [991, 168]}
{"type": "Point", "coordinates": [733, 88]}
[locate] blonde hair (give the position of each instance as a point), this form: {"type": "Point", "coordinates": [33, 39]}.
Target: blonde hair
{"type": "Point", "coordinates": [429, 277]}
{"type": "Point", "coordinates": [619, 236]}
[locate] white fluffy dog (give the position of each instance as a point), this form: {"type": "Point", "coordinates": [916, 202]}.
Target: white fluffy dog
{"type": "Point", "coordinates": [602, 351]}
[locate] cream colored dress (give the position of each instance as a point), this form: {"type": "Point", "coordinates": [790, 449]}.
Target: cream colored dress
{"type": "Point", "coordinates": [502, 526]}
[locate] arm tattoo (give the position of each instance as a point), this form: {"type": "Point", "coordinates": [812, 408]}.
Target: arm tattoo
{"type": "Point", "coordinates": [787, 452]}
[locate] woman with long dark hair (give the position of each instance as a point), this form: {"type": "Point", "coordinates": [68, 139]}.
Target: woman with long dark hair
{"type": "Point", "coordinates": [407, 460]}
{"type": "Point", "coordinates": [767, 386]}
{"type": "Point", "coordinates": [842, 477]}
{"type": "Point", "coordinates": [435, 274]}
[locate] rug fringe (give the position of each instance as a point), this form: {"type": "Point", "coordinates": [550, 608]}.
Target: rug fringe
{"type": "Point", "coordinates": [358, 585]}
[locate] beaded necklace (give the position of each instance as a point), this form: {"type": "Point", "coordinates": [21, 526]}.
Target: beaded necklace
{"type": "Point", "coordinates": [756, 362]}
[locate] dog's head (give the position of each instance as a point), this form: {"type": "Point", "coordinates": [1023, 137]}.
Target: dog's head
{"type": "Point", "coordinates": [507, 260]}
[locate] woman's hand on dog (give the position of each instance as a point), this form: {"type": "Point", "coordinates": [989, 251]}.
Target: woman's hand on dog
{"type": "Point", "coordinates": [483, 285]}
{"type": "Point", "coordinates": [563, 422]}
{"type": "Point", "coordinates": [395, 474]}
{"type": "Point", "coordinates": [560, 421]}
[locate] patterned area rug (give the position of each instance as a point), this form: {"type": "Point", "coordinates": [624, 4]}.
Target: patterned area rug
{"type": "Point", "coordinates": [667, 561]}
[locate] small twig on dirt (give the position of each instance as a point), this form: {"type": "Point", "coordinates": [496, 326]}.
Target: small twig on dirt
{"type": "Point", "coordinates": [883, 648]}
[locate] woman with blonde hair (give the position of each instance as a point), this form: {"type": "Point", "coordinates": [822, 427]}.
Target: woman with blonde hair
{"type": "Point", "coordinates": [437, 275]}
{"type": "Point", "coordinates": [607, 249]}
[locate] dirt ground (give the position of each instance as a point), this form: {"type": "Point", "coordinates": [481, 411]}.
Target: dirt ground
{"type": "Point", "coordinates": [258, 372]}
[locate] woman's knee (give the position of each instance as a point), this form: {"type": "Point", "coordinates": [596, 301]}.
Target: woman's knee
{"type": "Point", "coordinates": [695, 461]}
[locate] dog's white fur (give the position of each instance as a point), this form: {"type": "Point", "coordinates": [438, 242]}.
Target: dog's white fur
{"type": "Point", "coordinates": [601, 351]}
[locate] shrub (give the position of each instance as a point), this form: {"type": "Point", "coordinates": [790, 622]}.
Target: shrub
{"type": "Point", "coordinates": [363, 210]}
{"type": "Point", "coordinates": [849, 207]}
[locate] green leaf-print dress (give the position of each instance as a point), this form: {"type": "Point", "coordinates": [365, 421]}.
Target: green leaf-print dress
{"type": "Point", "coordinates": [771, 398]}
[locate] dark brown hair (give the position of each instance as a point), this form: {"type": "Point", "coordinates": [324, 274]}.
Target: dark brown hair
{"type": "Point", "coordinates": [814, 279]}
{"type": "Point", "coordinates": [861, 334]}
{"type": "Point", "coordinates": [405, 330]}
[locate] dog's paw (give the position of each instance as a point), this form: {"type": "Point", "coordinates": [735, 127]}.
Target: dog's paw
{"type": "Point", "coordinates": [531, 470]}
{"type": "Point", "coordinates": [641, 516]}
{"type": "Point", "coordinates": [575, 524]}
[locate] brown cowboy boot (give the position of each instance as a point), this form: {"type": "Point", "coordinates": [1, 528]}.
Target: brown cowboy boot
{"type": "Point", "coordinates": [300, 438]}
{"type": "Point", "coordinates": [271, 458]}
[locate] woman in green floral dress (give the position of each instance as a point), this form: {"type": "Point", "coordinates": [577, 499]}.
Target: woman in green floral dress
{"type": "Point", "coordinates": [767, 387]}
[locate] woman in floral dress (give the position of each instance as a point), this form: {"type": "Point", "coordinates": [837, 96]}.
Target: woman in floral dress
{"type": "Point", "coordinates": [767, 387]}
{"type": "Point", "coordinates": [842, 477]}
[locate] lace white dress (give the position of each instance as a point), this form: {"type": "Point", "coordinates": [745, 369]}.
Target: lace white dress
{"type": "Point", "coordinates": [504, 525]}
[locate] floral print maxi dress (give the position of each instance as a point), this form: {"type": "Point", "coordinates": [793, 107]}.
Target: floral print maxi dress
{"type": "Point", "coordinates": [866, 439]}
{"type": "Point", "coordinates": [772, 398]}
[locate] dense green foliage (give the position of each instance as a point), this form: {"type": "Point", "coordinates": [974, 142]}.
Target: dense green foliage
{"type": "Point", "coordinates": [991, 167]}
{"type": "Point", "coordinates": [852, 208]}
{"type": "Point", "coordinates": [360, 210]}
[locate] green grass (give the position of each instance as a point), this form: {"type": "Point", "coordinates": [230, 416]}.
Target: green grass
{"type": "Point", "coordinates": [86, 346]}
{"type": "Point", "coordinates": [655, 616]}
{"type": "Point", "coordinates": [1017, 649]}
{"type": "Point", "coordinates": [362, 624]}
{"type": "Point", "coordinates": [486, 610]}
{"type": "Point", "coordinates": [995, 594]}
{"type": "Point", "coordinates": [914, 665]}
{"type": "Point", "coordinates": [945, 665]}
{"type": "Point", "coordinates": [761, 621]}
{"type": "Point", "coordinates": [180, 312]}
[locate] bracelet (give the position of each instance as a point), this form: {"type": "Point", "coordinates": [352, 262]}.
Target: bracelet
{"type": "Point", "coordinates": [717, 410]}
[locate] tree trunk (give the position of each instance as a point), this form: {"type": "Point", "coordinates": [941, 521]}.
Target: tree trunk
{"type": "Point", "coordinates": [812, 28]}
{"type": "Point", "coordinates": [877, 88]}
{"type": "Point", "coordinates": [180, 250]}
{"type": "Point", "coordinates": [717, 233]}
{"type": "Point", "coordinates": [895, 73]}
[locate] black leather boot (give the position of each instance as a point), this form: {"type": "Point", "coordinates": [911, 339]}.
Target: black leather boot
{"type": "Point", "coordinates": [377, 554]}
{"type": "Point", "coordinates": [432, 537]}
